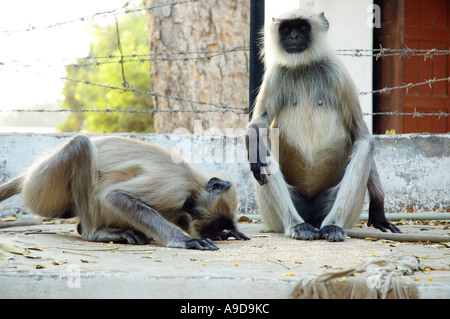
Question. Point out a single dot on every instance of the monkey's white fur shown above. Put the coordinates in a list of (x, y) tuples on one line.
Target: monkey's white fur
[(325, 149), (127, 190), (275, 53)]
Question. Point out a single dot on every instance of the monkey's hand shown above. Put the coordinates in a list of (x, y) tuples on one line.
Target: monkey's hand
[(303, 231), (382, 224), (257, 152), (224, 235), (202, 244)]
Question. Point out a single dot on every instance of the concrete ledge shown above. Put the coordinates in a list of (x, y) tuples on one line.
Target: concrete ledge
[(59, 264), (414, 169)]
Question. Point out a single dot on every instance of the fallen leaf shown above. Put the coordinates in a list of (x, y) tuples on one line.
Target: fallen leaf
[(289, 274), (244, 219), (14, 249), (57, 262), (4, 257)]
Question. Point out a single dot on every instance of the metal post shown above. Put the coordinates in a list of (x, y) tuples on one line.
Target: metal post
[(256, 65)]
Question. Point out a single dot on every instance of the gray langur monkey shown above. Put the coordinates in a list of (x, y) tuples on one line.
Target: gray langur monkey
[(125, 190), (317, 185)]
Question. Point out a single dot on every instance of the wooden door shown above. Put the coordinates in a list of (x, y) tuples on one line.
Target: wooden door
[(422, 25)]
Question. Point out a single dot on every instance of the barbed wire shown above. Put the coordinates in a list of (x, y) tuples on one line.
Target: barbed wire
[(413, 114), (176, 98), (209, 54), (217, 108), (430, 82), (204, 55), (141, 58), (386, 52), (115, 109), (122, 10)]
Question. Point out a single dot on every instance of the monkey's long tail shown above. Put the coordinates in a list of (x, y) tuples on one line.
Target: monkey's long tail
[(13, 187)]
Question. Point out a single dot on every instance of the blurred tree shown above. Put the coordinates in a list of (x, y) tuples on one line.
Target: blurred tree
[(133, 39)]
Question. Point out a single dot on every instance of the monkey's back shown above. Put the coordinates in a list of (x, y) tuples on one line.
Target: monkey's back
[(159, 178)]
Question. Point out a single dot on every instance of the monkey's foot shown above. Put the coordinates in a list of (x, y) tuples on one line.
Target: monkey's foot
[(122, 236), (332, 233), (304, 231), (202, 244), (383, 225)]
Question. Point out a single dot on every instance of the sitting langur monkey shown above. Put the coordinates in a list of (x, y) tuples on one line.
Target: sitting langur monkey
[(125, 190), (316, 188)]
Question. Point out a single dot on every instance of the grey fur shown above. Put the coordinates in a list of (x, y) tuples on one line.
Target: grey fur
[(317, 181), (125, 190)]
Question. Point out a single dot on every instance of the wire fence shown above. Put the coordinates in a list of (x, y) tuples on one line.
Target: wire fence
[(193, 57)]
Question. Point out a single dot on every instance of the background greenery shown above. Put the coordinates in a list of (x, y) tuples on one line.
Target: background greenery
[(133, 38)]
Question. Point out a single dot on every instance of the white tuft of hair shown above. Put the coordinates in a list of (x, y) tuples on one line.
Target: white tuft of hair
[(274, 54)]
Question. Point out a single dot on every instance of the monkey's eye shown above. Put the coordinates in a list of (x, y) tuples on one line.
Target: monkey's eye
[(303, 28), (286, 30)]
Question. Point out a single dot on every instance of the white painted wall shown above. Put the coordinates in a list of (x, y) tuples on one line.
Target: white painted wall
[(348, 30), (413, 168)]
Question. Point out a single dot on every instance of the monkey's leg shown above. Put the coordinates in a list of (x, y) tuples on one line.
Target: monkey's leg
[(273, 193), (350, 192), (277, 208), (147, 220), (61, 185), (377, 218)]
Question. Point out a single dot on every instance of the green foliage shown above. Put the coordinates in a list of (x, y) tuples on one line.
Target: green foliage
[(133, 39)]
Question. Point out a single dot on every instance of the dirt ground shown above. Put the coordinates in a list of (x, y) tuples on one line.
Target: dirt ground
[(51, 247)]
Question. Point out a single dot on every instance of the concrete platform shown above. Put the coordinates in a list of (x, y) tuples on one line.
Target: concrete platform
[(58, 264)]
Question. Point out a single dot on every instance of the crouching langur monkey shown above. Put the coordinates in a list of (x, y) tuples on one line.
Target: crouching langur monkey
[(124, 190), (317, 185)]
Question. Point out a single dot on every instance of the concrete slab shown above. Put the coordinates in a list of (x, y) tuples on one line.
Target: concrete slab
[(58, 264)]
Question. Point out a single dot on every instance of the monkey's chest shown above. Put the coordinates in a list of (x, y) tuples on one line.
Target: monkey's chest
[(313, 147)]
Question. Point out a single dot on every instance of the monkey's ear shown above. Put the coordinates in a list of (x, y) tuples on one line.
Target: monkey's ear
[(326, 23), (217, 185)]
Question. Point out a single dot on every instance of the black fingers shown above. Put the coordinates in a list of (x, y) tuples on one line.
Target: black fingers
[(257, 174), (383, 225), (224, 235), (202, 244), (332, 233), (257, 152), (135, 237), (304, 231)]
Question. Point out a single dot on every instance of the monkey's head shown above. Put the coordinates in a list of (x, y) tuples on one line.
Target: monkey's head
[(214, 208), (295, 38)]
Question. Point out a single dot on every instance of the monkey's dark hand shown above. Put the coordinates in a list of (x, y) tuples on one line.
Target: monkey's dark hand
[(332, 233), (257, 153), (382, 224), (202, 244), (304, 231), (224, 235)]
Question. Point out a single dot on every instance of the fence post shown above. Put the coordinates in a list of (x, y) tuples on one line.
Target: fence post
[(256, 65)]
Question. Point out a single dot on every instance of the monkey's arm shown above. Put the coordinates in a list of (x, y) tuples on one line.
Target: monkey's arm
[(147, 220), (256, 137)]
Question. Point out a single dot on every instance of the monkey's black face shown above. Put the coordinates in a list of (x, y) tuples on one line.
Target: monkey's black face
[(214, 228), (295, 35)]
